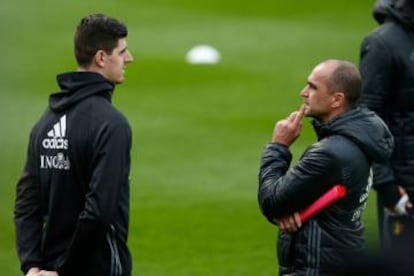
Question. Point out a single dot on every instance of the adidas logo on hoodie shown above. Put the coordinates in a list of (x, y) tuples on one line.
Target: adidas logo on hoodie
[(57, 136)]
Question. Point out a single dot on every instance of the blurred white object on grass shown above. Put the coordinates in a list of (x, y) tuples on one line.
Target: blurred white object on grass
[(203, 54)]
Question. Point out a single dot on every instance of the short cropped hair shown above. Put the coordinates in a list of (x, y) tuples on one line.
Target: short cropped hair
[(346, 78), (97, 32)]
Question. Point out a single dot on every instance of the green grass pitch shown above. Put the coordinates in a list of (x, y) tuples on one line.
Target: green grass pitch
[(198, 130)]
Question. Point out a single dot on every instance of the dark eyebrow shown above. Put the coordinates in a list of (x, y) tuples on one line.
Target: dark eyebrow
[(311, 84)]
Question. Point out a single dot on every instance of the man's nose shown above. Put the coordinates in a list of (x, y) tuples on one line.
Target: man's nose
[(303, 93), (129, 58)]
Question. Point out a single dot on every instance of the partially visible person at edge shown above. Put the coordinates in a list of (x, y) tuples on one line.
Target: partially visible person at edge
[(72, 203), (387, 69), (350, 140)]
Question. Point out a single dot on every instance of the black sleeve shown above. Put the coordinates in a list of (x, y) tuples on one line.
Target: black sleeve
[(111, 164), (376, 66), (27, 214), (284, 190)]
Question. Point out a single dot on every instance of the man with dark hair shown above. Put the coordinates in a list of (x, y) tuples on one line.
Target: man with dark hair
[(72, 200), (350, 139), (387, 68)]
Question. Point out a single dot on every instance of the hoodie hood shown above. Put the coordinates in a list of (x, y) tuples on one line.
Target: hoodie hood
[(399, 10), (76, 86), (364, 128), (381, 10)]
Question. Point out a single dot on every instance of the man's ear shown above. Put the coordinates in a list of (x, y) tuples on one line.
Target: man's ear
[(99, 58), (338, 99)]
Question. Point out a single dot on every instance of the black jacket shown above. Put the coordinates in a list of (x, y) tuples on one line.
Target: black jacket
[(72, 204), (387, 69), (345, 150)]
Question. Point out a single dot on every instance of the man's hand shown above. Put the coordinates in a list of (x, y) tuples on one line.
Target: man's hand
[(403, 206), (48, 273), (289, 224), (34, 271), (287, 130)]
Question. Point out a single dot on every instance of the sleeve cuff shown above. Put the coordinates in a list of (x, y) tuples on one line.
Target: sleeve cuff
[(389, 194)]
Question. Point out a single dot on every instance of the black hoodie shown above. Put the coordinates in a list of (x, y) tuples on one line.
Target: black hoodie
[(387, 70), (72, 204)]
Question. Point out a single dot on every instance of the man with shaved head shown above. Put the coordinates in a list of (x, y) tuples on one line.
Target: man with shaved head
[(349, 141)]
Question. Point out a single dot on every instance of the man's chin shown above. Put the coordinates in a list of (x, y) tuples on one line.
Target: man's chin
[(119, 81), (310, 115)]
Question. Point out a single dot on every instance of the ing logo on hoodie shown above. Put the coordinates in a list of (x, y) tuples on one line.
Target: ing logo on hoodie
[(56, 140)]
